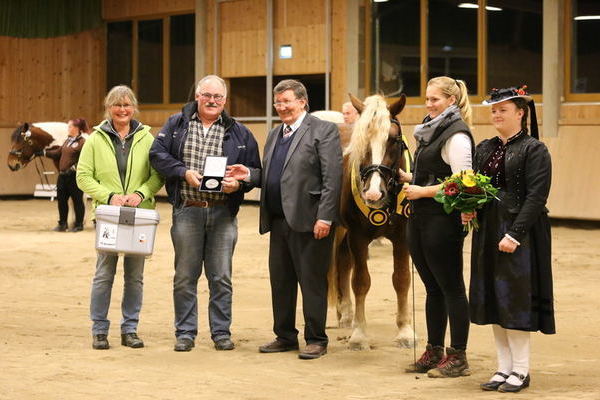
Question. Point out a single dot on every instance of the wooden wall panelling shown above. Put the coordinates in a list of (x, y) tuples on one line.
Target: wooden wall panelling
[(119, 9), (339, 44), (302, 25), (242, 44)]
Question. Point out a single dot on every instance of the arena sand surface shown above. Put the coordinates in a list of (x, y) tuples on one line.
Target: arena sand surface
[(45, 341)]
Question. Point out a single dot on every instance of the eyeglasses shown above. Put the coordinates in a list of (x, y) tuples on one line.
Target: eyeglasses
[(207, 96), (283, 104), (125, 106)]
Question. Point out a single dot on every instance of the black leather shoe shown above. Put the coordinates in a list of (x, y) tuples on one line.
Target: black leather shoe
[(76, 228), (493, 385), (60, 228), (100, 342), (224, 344), (509, 388), (131, 340), (184, 344), (277, 346)]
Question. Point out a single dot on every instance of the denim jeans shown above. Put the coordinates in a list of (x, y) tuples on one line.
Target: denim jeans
[(203, 237), (131, 304)]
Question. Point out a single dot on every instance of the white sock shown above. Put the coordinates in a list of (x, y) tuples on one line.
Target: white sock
[(519, 342), (505, 361)]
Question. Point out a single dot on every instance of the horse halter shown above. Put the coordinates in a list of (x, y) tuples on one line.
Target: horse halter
[(27, 140)]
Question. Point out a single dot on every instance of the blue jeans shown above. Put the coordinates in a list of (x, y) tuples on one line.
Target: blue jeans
[(203, 236), (131, 304)]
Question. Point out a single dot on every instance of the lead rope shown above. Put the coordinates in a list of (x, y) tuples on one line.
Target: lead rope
[(412, 265)]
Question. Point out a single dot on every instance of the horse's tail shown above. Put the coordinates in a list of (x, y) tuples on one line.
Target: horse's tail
[(333, 273)]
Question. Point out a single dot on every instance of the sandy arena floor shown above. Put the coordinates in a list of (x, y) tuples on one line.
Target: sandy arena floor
[(45, 341)]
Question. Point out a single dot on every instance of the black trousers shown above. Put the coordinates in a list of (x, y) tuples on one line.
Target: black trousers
[(66, 186), (435, 244), (298, 258)]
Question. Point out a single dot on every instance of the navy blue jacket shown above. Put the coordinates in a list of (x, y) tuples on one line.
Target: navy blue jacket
[(166, 154)]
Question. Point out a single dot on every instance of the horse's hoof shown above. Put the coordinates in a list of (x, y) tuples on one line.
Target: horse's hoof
[(405, 343), (358, 346)]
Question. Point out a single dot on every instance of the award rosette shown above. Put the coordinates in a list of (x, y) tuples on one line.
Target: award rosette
[(214, 171)]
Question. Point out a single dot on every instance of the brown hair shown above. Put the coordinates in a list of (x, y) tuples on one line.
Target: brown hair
[(80, 124), (522, 104)]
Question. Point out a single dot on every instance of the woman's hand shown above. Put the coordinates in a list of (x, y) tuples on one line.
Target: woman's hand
[(132, 200), (117, 200), (404, 176), (467, 217), (414, 192), (507, 246)]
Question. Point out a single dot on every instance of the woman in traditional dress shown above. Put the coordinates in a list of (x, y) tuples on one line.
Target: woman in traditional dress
[(511, 276)]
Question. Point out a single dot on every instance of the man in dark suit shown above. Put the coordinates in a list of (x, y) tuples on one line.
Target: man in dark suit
[(300, 180)]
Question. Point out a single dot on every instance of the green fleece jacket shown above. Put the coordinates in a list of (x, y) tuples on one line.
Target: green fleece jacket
[(98, 174)]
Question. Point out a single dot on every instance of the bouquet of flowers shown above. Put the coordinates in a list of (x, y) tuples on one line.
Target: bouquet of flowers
[(466, 191)]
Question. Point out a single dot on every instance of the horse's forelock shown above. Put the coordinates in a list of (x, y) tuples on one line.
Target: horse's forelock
[(371, 129), (17, 136)]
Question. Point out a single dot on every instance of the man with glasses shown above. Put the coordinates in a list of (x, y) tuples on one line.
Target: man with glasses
[(204, 230), (301, 179)]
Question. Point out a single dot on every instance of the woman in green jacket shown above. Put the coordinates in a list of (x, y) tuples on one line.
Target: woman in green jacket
[(114, 168)]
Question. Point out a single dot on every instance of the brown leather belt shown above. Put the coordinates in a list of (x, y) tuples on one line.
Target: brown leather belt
[(204, 203)]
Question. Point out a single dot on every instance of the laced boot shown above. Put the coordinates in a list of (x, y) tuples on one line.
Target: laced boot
[(429, 359), (453, 365)]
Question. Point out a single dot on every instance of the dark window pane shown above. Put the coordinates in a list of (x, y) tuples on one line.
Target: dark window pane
[(585, 56), (182, 58), (453, 41), (247, 96), (515, 40), (150, 55), (396, 47), (118, 52)]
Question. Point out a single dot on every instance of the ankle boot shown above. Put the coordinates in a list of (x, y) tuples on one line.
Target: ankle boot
[(453, 365), (429, 359), (61, 227)]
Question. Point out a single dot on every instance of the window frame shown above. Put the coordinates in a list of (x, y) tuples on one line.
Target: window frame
[(482, 48), (166, 57)]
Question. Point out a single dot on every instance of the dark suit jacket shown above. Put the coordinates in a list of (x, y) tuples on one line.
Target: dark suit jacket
[(311, 177)]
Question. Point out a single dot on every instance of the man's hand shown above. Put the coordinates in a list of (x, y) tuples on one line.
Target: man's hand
[(193, 178), (132, 200), (507, 246), (230, 185), (237, 171), (321, 229), (117, 200)]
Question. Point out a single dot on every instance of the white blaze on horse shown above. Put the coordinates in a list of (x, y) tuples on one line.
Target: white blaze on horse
[(29, 140), (371, 206)]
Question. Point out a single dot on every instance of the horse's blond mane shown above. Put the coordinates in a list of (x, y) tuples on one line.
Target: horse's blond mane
[(372, 126)]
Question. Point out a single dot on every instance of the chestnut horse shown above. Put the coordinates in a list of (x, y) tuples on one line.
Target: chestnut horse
[(371, 206), (29, 141)]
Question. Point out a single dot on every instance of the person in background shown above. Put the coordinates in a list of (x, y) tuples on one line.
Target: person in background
[(114, 168), (435, 239), (67, 156), (511, 263), (204, 231), (349, 112)]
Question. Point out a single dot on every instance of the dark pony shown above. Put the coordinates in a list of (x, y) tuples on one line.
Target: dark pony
[(29, 141), (370, 208)]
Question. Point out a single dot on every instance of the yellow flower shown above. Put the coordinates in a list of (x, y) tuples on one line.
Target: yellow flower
[(468, 178)]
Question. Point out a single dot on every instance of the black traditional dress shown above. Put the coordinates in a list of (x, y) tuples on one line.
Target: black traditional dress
[(513, 290)]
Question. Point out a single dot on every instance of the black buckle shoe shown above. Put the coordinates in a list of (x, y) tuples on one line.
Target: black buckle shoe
[(184, 344), (494, 385), (100, 342), (131, 340), (509, 388), (224, 344)]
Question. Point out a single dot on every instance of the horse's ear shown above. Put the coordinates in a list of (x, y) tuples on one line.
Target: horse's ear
[(25, 127), (356, 103), (397, 107)]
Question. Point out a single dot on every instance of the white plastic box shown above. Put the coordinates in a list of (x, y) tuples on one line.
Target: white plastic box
[(125, 230)]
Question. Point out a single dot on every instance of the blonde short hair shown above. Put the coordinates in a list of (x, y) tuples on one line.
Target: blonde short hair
[(116, 95)]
